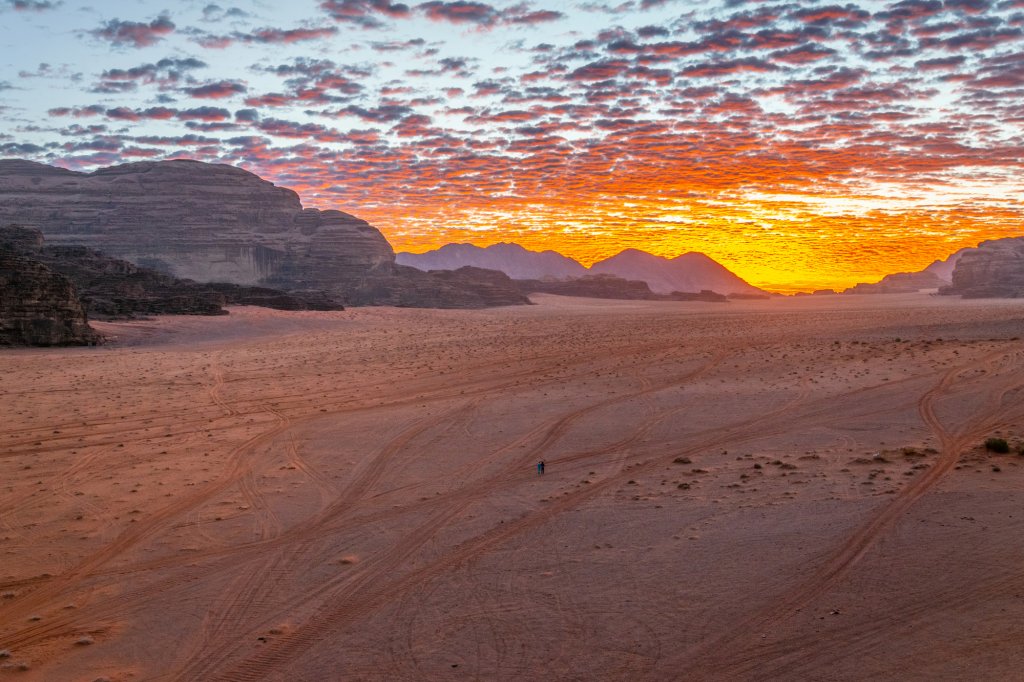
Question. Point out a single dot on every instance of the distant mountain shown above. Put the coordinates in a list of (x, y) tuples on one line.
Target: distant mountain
[(689, 272), (512, 259), (938, 274)]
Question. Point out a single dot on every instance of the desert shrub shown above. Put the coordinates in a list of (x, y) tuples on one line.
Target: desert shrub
[(997, 445)]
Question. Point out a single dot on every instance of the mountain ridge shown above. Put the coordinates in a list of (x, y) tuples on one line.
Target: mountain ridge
[(689, 272)]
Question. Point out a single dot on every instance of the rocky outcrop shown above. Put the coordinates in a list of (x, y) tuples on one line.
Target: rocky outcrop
[(466, 287), (612, 287), (217, 223), (936, 275), (38, 307), (592, 286), (691, 272), (993, 270), (512, 259), (111, 288)]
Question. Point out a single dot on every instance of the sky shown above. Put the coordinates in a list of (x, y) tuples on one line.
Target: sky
[(803, 145)]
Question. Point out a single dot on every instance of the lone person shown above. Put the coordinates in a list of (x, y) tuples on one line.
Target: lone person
[(540, 467)]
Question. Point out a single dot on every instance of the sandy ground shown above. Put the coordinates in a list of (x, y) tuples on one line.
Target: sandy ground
[(788, 490)]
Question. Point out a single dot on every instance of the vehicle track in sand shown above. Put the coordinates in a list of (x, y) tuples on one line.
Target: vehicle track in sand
[(115, 607), (722, 656), (359, 598), (373, 584), (548, 434), (376, 576)]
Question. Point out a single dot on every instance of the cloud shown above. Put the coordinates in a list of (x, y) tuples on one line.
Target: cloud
[(214, 12), (460, 12), (804, 54), (134, 34), (77, 112), (33, 5), (165, 73), (216, 89), (729, 67), (940, 63), (128, 114), (364, 13), (521, 16), (381, 114), (266, 36), (204, 114)]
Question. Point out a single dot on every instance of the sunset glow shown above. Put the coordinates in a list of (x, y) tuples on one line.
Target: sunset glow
[(803, 145)]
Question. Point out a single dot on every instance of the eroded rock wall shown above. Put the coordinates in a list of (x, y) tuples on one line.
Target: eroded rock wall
[(993, 270), (194, 220), (39, 307)]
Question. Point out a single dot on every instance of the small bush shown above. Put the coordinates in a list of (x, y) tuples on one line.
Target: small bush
[(997, 445)]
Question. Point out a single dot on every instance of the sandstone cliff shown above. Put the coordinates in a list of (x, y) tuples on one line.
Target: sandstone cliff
[(111, 288), (218, 223), (193, 220), (993, 270), (38, 307)]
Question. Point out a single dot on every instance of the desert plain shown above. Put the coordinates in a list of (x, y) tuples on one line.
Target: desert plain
[(763, 490)]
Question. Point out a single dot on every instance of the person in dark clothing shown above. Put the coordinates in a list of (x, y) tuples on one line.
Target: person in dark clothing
[(540, 467)]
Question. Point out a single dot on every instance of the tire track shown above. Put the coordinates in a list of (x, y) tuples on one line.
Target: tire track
[(713, 656)]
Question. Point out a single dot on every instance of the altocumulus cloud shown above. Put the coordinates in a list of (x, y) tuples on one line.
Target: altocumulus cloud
[(134, 33)]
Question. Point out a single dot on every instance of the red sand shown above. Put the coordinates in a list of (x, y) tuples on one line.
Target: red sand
[(312, 496)]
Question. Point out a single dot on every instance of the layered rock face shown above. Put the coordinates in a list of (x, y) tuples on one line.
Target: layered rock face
[(216, 223), (38, 307), (993, 270), (111, 288), (194, 220)]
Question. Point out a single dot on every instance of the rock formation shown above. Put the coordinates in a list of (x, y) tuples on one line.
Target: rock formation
[(591, 286), (193, 220), (463, 288), (612, 287), (38, 307), (936, 275), (217, 223), (110, 288), (689, 272), (512, 259), (993, 270)]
